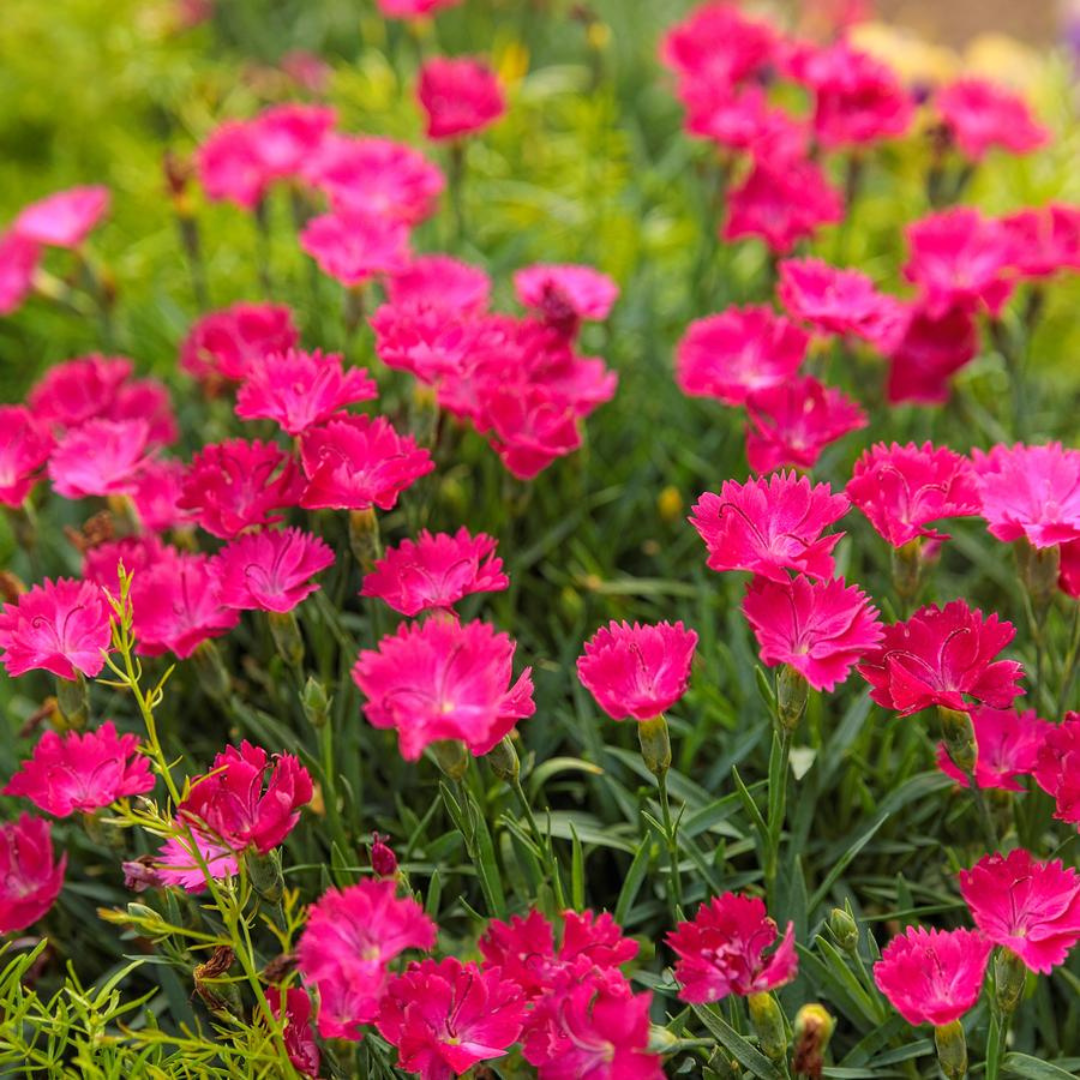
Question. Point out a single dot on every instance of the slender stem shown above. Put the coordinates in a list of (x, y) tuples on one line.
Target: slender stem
[(671, 836), (1070, 666), (551, 865)]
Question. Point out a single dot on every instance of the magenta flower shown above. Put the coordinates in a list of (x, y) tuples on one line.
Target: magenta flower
[(176, 606), (903, 489), (269, 571), (1069, 573), (459, 96), (444, 680), (565, 296), (435, 572), (1057, 768), (286, 137), (741, 350), (294, 1007), (959, 259), (945, 657), (177, 864), (770, 526), (234, 485), (230, 168), (147, 399), (933, 976), (445, 1016), (298, 390), (530, 427), (1045, 240), (413, 9), (1031, 908), (230, 804), (19, 260), (1030, 492), (82, 772), (357, 462), (354, 247), (345, 951), (429, 339), (25, 445), (156, 494), (931, 350), (137, 553), (64, 219), (60, 626), (716, 44), (637, 671), (103, 457), (792, 424), (980, 115), (782, 201), (722, 950), (819, 628), (743, 120), (1008, 746), (29, 881), (440, 281), (841, 302), (75, 391), (225, 343)]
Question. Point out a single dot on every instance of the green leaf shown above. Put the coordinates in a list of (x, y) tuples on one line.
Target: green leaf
[(631, 886), (747, 1055), (577, 872), (1035, 1069)]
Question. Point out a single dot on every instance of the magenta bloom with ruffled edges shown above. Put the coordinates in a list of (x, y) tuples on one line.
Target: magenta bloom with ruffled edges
[(101, 457), (564, 295), (980, 116), (1057, 767), (177, 866), (223, 344), (1008, 745), (270, 570), (25, 446), (440, 281), (64, 219), (355, 246), (459, 96), (30, 881), (932, 349), (19, 261), (293, 1006)]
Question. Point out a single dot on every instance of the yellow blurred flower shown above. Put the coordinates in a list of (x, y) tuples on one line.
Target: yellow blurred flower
[(912, 58)]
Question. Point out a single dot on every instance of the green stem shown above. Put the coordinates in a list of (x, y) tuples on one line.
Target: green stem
[(1070, 665), (672, 839), (547, 850)]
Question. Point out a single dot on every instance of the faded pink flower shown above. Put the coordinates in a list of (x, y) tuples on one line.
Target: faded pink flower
[(286, 137), (459, 96), (82, 772), (980, 115), (351, 937), (903, 489), (440, 281), (722, 950), (19, 260), (730, 355), (791, 424), (1008, 745), (821, 629), (64, 219), (637, 671), (60, 626), (943, 656), (177, 864), (354, 247), (102, 457), (770, 526), (269, 571), (29, 880), (25, 445), (234, 485), (414, 9), (930, 351), (445, 1016), (298, 389), (225, 343), (444, 680), (933, 976), (1045, 240), (436, 571), (566, 295), (1057, 768), (1031, 908)]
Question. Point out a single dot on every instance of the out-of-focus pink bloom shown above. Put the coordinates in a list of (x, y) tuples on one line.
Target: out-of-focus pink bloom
[(722, 950), (236, 484), (82, 772), (819, 628), (1031, 908), (103, 457), (60, 626), (1057, 768), (933, 976), (25, 445), (376, 176), (637, 671), (1008, 747), (29, 880), (839, 301), (285, 137), (980, 115), (445, 1016), (147, 399), (930, 351), (444, 680), (357, 462), (946, 657), (743, 120), (352, 936), (225, 343), (75, 391), (177, 606), (959, 259), (64, 219), (436, 571), (730, 355), (156, 493), (530, 429), (1044, 241), (903, 489), (137, 553), (355, 247), (791, 424), (230, 804), (294, 1006), (782, 202), (384, 862), (414, 9), (177, 864), (19, 259), (716, 45), (440, 281), (299, 389), (1030, 492), (230, 168), (429, 340), (566, 295), (309, 71), (1069, 574), (459, 96), (771, 525), (270, 571)]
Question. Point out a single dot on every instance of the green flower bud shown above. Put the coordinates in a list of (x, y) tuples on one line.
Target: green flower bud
[(792, 691), (504, 762), (1010, 977), (951, 1050), (265, 874), (1038, 568), (844, 929), (285, 631), (316, 702), (655, 745), (768, 1023), (364, 537), (451, 756), (73, 701), (210, 668), (959, 738)]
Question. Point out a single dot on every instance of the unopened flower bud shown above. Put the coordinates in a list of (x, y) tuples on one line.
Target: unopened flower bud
[(73, 699), (1039, 569), (218, 995), (11, 587), (1010, 977), (907, 569), (660, 1040), (504, 761), (951, 1049), (265, 874), (792, 691), (959, 738), (140, 874), (669, 504), (844, 929), (210, 668), (364, 537), (285, 631), (383, 859), (768, 1023), (424, 415), (813, 1028), (655, 745), (315, 702), (451, 756)]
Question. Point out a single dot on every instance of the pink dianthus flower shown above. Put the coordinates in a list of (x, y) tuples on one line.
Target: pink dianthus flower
[(1008, 746), (224, 343), (459, 96), (102, 457), (25, 445), (566, 295), (65, 219), (29, 880), (1057, 767), (980, 116), (930, 351), (269, 570), (19, 260), (354, 247), (440, 281)]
